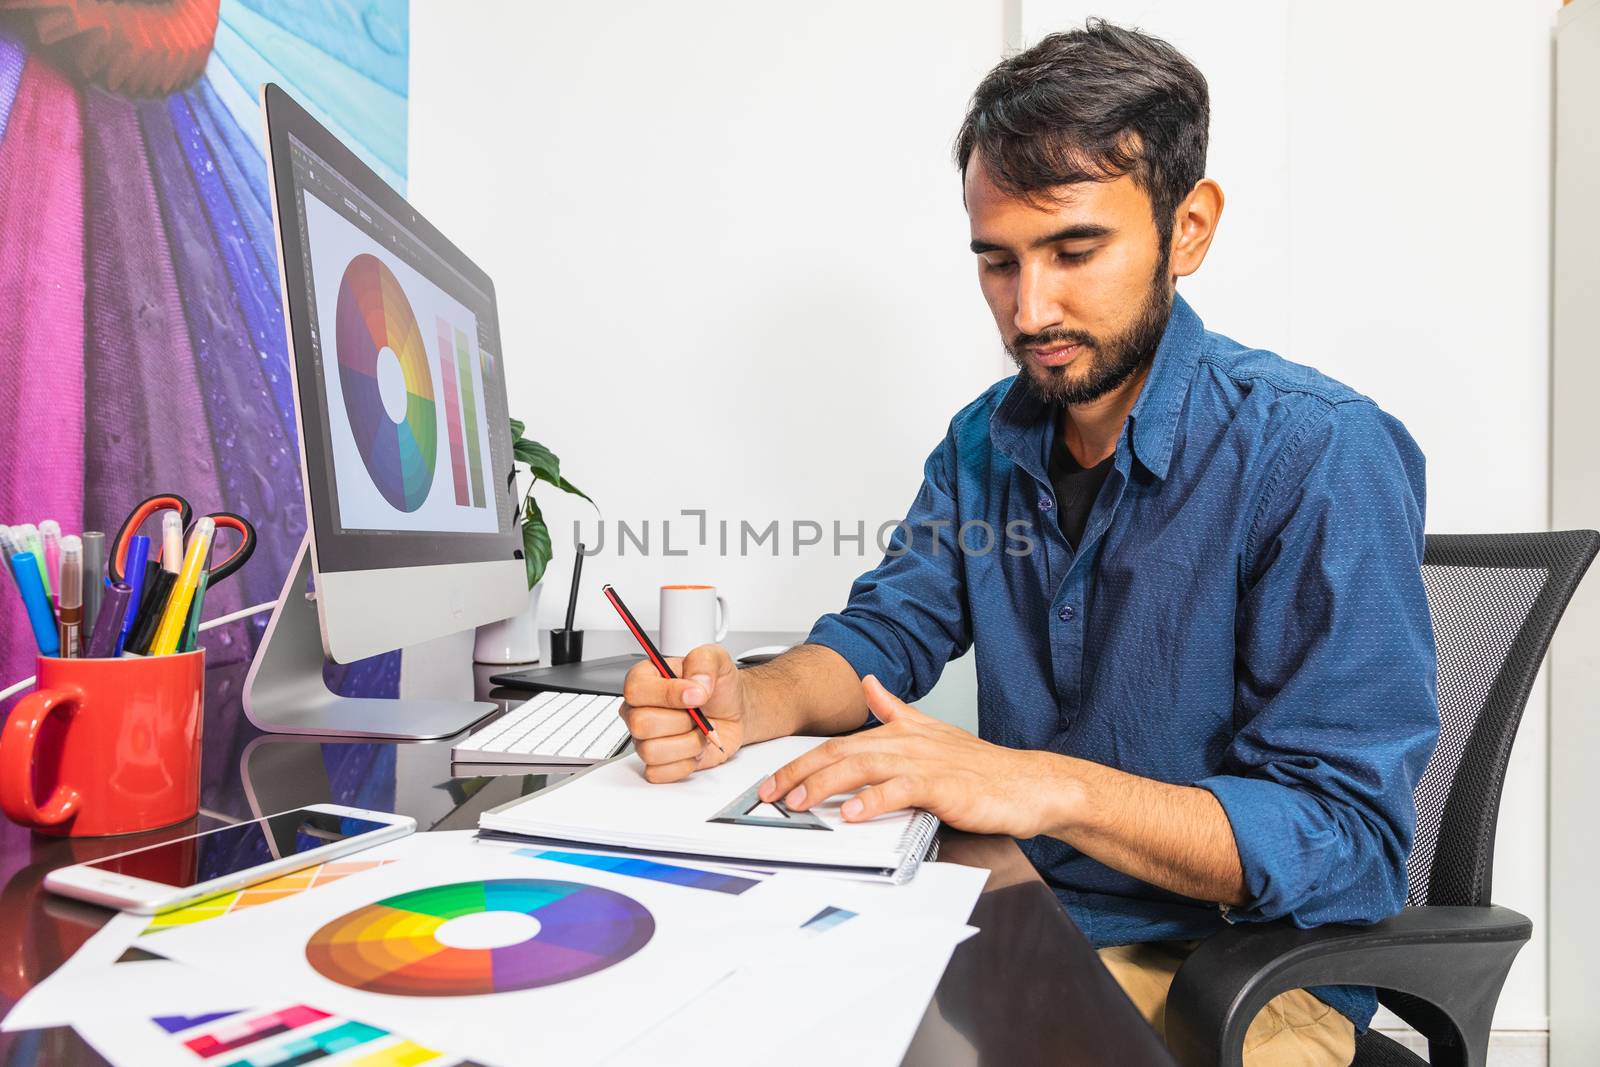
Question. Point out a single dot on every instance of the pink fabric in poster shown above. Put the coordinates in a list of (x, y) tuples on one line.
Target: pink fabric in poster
[(41, 332)]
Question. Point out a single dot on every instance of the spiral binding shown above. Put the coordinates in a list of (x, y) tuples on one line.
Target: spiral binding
[(919, 844)]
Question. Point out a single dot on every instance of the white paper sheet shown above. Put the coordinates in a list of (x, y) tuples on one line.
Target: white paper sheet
[(698, 937), (870, 976)]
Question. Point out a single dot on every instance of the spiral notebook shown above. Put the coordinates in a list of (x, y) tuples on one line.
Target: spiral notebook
[(716, 815)]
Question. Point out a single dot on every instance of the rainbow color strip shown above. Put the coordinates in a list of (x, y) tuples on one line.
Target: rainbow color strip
[(632, 867), (287, 885), (393, 947)]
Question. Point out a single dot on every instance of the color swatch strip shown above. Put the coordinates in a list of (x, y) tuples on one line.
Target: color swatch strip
[(237, 1034), (452, 414), (633, 867), (265, 893), (298, 1034), (469, 413)]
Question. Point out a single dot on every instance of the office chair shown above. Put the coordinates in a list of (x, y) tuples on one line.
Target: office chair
[(1439, 964)]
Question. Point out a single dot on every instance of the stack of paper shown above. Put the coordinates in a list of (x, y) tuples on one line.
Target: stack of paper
[(717, 815)]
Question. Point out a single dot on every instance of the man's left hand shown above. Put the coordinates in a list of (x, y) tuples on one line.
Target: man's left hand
[(916, 761)]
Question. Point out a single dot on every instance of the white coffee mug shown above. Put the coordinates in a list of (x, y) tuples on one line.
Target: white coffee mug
[(691, 616)]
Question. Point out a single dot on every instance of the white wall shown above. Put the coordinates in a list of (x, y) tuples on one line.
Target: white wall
[(741, 218), (1387, 170), (729, 247)]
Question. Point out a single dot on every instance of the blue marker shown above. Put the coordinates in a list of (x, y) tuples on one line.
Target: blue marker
[(133, 574), (26, 568)]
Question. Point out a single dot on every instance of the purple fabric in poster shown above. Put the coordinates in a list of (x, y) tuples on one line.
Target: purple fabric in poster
[(241, 175), (41, 292), (141, 384), (244, 151), (256, 293), (12, 60), (258, 468)]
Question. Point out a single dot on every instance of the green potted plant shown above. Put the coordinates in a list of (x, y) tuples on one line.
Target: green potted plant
[(516, 640)]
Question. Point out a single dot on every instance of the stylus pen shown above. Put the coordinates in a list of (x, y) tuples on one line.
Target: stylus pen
[(572, 595), (656, 661)]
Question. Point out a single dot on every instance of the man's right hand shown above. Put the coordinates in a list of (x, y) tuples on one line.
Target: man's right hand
[(663, 733)]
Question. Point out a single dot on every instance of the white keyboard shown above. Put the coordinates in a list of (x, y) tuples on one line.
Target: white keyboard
[(552, 728)]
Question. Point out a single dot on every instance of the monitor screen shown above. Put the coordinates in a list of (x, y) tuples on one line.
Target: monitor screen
[(398, 370)]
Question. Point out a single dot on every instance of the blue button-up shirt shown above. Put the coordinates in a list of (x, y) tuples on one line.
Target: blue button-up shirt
[(1245, 614)]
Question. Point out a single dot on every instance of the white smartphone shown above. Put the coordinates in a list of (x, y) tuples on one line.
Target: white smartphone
[(162, 877)]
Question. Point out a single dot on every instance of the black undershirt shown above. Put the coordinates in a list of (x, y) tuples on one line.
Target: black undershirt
[(1076, 488)]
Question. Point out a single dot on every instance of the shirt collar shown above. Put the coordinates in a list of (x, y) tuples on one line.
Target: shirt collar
[(1015, 426)]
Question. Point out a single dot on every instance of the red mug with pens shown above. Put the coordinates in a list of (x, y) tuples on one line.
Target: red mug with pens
[(105, 746), (109, 743)]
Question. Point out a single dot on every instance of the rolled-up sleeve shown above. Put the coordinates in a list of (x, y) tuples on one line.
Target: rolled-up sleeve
[(1335, 710), (907, 617)]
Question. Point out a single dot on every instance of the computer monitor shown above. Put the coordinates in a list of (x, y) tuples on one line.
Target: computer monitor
[(405, 442)]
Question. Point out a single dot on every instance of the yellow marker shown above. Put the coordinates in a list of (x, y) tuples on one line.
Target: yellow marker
[(197, 559)]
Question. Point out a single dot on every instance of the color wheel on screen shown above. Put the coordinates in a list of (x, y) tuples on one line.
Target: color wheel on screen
[(373, 316), (471, 938)]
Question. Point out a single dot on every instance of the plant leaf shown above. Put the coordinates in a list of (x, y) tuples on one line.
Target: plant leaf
[(567, 487), (540, 460), (517, 426), (536, 550)]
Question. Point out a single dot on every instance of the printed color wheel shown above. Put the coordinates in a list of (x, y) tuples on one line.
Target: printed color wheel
[(374, 314), (394, 946)]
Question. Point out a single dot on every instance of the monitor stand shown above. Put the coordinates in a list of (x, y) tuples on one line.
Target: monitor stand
[(284, 692)]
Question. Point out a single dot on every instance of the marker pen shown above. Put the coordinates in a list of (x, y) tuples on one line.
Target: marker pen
[(171, 541), (50, 545), (133, 568), (25, 566), (94, 577), (69, 596)]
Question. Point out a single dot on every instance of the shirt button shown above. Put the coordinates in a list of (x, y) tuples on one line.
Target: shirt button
[(1066, 613), (1045, 503)]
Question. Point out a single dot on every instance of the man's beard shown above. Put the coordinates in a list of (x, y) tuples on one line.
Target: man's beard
[(1110, 363)]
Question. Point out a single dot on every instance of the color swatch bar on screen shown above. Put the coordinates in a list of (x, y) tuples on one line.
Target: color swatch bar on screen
[(469, 415), (452, 414), (632, 867)]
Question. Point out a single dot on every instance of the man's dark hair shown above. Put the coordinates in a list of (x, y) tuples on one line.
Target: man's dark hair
[(1092, 105)]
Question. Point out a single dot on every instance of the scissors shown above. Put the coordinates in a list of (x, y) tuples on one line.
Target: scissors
[(173, 502)]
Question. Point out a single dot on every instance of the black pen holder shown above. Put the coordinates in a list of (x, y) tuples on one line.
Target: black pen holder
[(566, 646)]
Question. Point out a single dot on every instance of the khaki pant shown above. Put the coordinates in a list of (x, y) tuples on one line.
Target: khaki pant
[(1295, 1028)]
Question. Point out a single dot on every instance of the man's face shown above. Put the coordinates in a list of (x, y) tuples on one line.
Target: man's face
[(1078, 284)]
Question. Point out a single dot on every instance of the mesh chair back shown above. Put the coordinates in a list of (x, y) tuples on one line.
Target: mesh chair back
[(1495, 601)]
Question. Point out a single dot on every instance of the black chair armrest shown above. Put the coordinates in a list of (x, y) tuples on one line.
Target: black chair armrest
[(1454, 959)]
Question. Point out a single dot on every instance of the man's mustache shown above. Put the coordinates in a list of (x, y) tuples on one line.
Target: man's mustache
[(1051, 339)]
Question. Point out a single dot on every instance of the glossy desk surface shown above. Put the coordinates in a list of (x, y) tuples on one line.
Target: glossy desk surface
[(1026, 989)]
